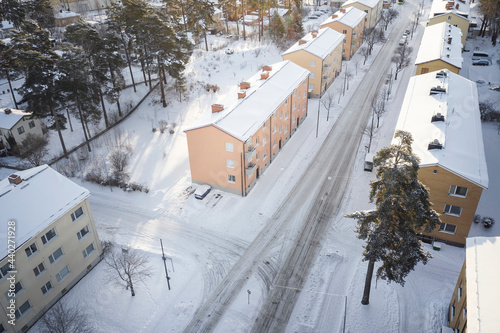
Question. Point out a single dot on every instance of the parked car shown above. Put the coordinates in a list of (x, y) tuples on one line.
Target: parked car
[(202, 191), (402, 41), (478, 55), (482, 62)]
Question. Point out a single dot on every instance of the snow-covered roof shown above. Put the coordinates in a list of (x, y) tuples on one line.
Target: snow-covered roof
[(352, 17), (368, 3), (321, 46), (241, 118), (8, 120), (441, 41), (459, 7), (65, 14), (7, 25), (281, 11), (41, 198), (455, 98), (483, 275)]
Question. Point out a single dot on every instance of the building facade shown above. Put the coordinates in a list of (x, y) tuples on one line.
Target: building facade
[(372, 8), (56, 244), (232, 147), (351, 23), (454, 12), (320, 52), (79, 6), (441, 111), (440, 48), (15, 125)]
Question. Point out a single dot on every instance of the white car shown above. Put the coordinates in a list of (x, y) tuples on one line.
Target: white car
[(202, 191)]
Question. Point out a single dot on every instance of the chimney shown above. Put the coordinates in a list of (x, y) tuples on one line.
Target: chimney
[(314, 33), (267, 68), (456, 7), (15, 179), (244, 85), (334, 16), (8, 111), (217, 108), (342, 10), (242, 94), (301, 41), (264, 75)]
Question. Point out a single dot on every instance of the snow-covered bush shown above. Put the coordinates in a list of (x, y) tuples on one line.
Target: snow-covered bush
[(488, 221), (477, 218)]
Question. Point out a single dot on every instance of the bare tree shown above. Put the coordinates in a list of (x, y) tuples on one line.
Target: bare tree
[(373, 36), (356, 64), (388, 16), (370, 129), (130, 266), (34, 148), (62, 318), (401, 58), (327, 101), (378, 107), (365, 53)]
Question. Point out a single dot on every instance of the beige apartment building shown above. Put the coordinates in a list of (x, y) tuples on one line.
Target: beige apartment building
[(351, 23), (440, 48), (473, 303), (320, 52), (232, 146), (454, 12), (54, 243), (441, 111), (15, 125), (372, 8)]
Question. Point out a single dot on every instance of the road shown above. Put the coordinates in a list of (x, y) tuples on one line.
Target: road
[(306, 213)]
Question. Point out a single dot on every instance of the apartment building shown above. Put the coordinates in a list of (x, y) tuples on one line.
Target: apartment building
[(232, 146), (372, 8), (351, 23), (79, 6), (320, 52), (441, 111), (440, 48), (15, 125), (454, 12), (473, 303), (54, 243)]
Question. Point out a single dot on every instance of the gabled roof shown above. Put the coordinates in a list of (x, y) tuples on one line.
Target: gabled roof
[(460, 134), (441, 41), (352, 17), (241, 118), (321, 45), (368, 3), (8, 120), (43, 196), (482, 274), (458, 7)]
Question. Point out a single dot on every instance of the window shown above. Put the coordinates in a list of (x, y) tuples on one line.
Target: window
[(449, 17), (293, 106), (286, 102), (311, 86), (286, 113), (312, 63), (313, 75), (31, 124), (464, 313), (229, 146), (231, 178), (274, 114), (48, 236), (304, 95), (452, 311), (264, 126), (257, 141), (274, 143), (257, 156), (458, 191), (286, 128), (448, 228), (264, 141), (459, 292), (30, 250), (82, 233), (264, 156), (274, 129), (76, 214), (344, 32), (229, 163), (295, 93), (452, 210), (56, 255), (38, 270), (47, 287), (304, 107), (23, 309), (88, 250), (17, 288), (62, 274), (20, 129)]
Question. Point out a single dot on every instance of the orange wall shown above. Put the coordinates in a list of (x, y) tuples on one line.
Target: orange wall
[(350, 44), (459, 320)]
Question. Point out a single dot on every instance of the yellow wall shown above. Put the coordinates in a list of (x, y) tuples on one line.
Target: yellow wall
[(459, 320), (452, 19), (439, 186), (350, 44), (435, 65), (66, 238), (372, 14)]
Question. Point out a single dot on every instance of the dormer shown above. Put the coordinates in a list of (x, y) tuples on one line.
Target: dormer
[(441, 74), (437, 117), (437, 90), (435, 145)]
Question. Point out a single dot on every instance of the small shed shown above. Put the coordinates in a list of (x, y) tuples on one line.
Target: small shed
[(368, 166)]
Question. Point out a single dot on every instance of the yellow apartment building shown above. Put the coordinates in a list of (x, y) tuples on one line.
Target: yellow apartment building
[(473, 303), (49, 231), (440, 48), (320, 52), (351, 23), (372, 8), (441, 111), (231, 147), (454, 12)]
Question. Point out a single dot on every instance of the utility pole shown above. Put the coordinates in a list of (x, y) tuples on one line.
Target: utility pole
[(317, 123), (165, 264)]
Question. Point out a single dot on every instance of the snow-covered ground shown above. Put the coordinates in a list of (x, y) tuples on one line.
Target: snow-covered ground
[(205, 238)]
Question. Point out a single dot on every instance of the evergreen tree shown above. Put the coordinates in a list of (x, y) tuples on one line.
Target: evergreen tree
[(402, 210), (199, 16), (41, 12), (276, 28), (13, 11)]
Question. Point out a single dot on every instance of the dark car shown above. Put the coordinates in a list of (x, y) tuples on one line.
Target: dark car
[(482, 62)]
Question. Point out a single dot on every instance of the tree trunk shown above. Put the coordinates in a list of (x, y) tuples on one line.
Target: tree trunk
[(83, 125), (105, 114), (128, 61), (114, 86), (59, 132), (206, 43), (143, 66), (161, 83), (131, 285), (148, 67), (368, 283), (243, 13), (10, 86)]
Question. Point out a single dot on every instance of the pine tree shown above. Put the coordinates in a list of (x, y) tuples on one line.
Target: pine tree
[(199, 15), (41, 12), (276, 28), (402, 210)]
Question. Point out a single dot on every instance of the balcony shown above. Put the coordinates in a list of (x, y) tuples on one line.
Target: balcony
[(326, 66), (325, 78), (250, 169), (250, 153)]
